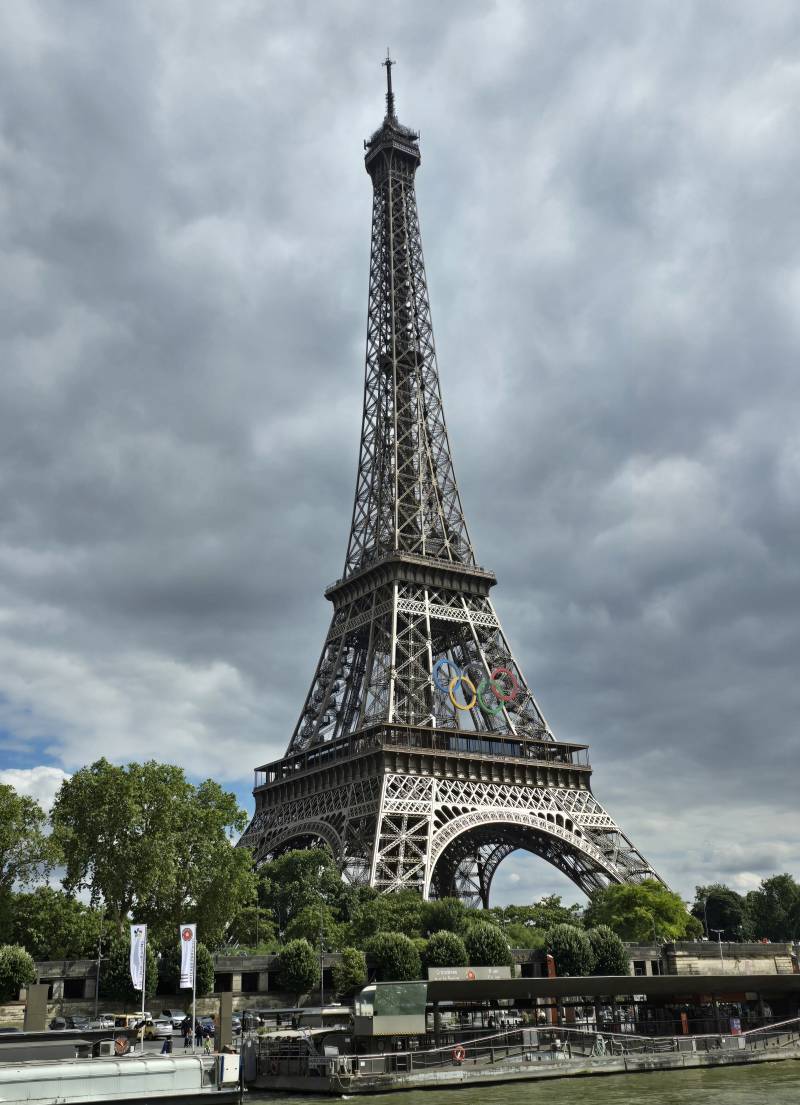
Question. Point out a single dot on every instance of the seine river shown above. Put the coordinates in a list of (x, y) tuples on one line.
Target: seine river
[(765, 1084)]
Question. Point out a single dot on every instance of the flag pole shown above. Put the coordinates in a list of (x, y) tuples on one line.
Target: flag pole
[(144, 985), (194, 992)]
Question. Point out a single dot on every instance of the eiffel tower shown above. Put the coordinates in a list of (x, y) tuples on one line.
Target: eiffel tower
[(421, 758)]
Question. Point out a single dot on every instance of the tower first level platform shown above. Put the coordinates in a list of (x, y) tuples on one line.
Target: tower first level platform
[(407, 807)]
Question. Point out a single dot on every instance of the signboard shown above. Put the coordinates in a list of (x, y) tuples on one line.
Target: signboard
[(467, 974), (736, 1026)]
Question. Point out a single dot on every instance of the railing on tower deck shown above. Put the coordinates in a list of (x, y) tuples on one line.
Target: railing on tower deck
[(487, 746)]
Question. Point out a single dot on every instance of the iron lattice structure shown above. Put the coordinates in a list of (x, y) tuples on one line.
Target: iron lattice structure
[(421, 758)]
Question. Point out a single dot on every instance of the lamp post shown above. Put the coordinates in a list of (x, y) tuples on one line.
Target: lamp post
[(320, 873), (719, 933), (705, 914), (99, 958), (655, 941)]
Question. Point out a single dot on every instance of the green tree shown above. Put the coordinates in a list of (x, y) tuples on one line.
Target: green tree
[(642, 912), (27, 854), (299, 879), (52, 925), (310, 920), (350, 973), (542, 915), (17, 970), (524, 936), (394, 957), (571, 950), (446, 949), (252, 927), (298, 965), (115, 974), (608, 951), (487, 946), (773, 911), (722, 907), (443, 915), (169, 970), (398, 912), (145, 840)]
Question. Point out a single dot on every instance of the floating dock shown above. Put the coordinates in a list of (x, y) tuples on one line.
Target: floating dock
[(134, 1079)]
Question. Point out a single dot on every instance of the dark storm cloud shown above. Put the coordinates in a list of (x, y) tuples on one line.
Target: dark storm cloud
[(608, 203)]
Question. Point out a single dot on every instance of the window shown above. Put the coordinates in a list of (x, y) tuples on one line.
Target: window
[(74, 988), (223, 982), (639, 967), (250, 982)]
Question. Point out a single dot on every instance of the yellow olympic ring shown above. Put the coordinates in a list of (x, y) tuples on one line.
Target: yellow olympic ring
[(462, 679)]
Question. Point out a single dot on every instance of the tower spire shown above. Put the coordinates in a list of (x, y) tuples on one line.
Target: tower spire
[(388, 63)]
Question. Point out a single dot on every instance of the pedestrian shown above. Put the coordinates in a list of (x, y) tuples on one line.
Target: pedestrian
[(186, 1031), (207, 1039), (198, 1033), (166, 1047)]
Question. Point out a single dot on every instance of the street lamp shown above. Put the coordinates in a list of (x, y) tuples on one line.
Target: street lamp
[(705, 914), (719, 933), (320, 873), (99, 957)]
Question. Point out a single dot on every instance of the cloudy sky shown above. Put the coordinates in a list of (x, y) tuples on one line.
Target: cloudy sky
[(609, 209)]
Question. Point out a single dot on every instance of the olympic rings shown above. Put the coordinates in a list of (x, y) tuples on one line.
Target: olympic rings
[(459, 1053), (477, 685)]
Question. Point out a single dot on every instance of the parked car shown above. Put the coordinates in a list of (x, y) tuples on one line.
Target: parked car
[(159, 1029), (177, 1016), (236, 1026), (103, 1021)]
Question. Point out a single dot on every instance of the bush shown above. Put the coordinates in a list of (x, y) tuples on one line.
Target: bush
[(169, 971), (17, 970), (444, 914), (487, 946), (610, 957), (350, 973), (446, 949), (394, 957), (571, 950), (298, 965), (115, 974)]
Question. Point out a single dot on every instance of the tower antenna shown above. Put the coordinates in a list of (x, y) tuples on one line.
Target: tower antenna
[(389, 94)]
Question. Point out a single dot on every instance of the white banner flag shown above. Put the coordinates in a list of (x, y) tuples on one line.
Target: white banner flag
[(138, 952), (188, 935)]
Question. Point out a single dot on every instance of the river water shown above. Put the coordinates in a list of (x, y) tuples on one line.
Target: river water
[(761, 1084)]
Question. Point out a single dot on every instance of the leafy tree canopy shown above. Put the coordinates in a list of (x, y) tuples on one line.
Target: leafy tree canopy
[(642, 912), (398, 912), (169, 970), (26, 852), (17, 970), (52, 925), (446, 949), (773, 911), (115, 974), (146, 841), (312, 920), (543, 915), (487, 946), (300, 878), (394, 957), (298, 964), (350, 973), (571, 950), (608, 952), (722, 907), (443, 914)]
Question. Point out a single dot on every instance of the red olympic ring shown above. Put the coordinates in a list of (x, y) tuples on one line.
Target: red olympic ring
[(459, 1054), (512, 694)]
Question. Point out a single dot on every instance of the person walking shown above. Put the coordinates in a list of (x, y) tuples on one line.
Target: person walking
[(207, 1038), (198, 1033), (186, 1030), (166, 1047)]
